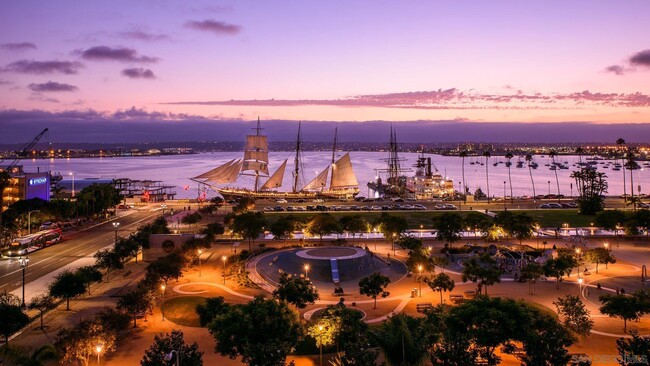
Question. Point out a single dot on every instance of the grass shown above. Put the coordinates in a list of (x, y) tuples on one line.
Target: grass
[(546, 218), (181, 310)]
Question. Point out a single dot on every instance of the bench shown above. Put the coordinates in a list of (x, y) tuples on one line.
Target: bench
[(421, 307), (456, 299)]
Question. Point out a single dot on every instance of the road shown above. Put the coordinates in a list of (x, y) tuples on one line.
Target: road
[(75, 245)]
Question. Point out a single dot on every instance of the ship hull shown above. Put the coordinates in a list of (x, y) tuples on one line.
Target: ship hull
[(230, 194)]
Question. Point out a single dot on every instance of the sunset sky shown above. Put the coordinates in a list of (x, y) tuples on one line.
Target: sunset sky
[(464, 61)]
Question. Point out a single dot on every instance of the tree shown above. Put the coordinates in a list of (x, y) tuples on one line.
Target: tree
[(610, 220), (463, 155), (599, 255), (284, 227), (559, 267), (351, 335), (249, 225), (522, 227), (211, 230), (487, 156), (621, 143), (482, 270), (262, 332), (67, 285), (12, 317), (374, 285), (633, 351), (353, 224), (441, 282), (574, 315), (167, 268), (165, 343), (448, 227), (631, 165), (402, 340), (80, 342), (391, 226), (136, 303), (89, 275), (109, 260), (322, 224), (591, 185), (553, 155), (42, 303), (440, 262), (545, 340), (323, 331), (509, 157), (191, 219), (296, 291), (529, 160), (622, 306), (531, 273), (477, 221), (209, 310)]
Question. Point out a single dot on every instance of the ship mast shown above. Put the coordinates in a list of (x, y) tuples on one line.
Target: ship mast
[(257, 133), (297, 162), (336, 135)]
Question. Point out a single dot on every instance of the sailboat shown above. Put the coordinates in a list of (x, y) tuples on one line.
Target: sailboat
[(342, 182)]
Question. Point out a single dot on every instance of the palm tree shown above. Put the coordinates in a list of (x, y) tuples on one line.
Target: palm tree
[(621, 142), (487, 176), (509, 156), (580, 151), (529, 159), (553, 154), (631, 165), (463, 155)]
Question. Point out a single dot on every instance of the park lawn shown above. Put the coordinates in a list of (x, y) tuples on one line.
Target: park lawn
[(413, 218), (182, 310), (555, 218)]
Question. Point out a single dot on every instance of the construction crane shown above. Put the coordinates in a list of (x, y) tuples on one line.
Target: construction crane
[(25, 150)]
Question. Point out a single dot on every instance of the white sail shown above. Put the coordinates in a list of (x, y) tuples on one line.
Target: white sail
[(342, 174), (215, 172), (276, 179), (258, 166), (256, 155), (231, 174), (256, 143), (318, 183)]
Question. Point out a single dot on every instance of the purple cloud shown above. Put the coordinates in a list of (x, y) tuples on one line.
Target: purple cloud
[(52, 86), (22, 46), (5, 82), (138, 73), (105, 53), (616, 69), (453, 99), (214, 26), (641, 58), (145, 36), (43, 67)]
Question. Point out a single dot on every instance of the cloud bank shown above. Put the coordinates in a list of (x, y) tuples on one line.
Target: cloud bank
[(43, 67), (121, 54), (52, 86), (138, 73), (214, 26), (18, 47)]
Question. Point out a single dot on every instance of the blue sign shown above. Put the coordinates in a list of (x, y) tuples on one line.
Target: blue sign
[(37, 181)]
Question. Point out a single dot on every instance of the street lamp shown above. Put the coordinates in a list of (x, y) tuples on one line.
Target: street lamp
[(115, 226), (223, 273), (98, 350), (421, 229), (306, 271), (320, 343), (23, 264), (420, 279), (504, 195), (549, 187), (580, 280), (72, 175), (200, 251), (394, 238), (29, 220), (168, 357), (162, 303), (578, 260)]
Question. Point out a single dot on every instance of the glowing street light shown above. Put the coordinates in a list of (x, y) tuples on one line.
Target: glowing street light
[(320, 332), (306, 271), (72, 175), (98, 350), (24, 262), (420, 271), (223, 273), (115, 226), (162, 304)]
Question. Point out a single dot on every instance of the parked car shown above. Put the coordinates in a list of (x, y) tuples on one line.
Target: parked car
[(318, 200), (281, 200)]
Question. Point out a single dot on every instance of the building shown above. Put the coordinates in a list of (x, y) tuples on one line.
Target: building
[(24, 186)]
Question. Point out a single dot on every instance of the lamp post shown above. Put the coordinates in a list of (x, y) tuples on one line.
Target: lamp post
[(223, 272), (306, 271), (168, 357), (164, 207), (504, 195), (394, 238), (200, 251), (580, 280), (578, 260), (420, 279), (72, 175), (162, 303), (115, 226), (24, 262), (549, 187), (29, 220), (98, 350), (606, 244), (421, 229)]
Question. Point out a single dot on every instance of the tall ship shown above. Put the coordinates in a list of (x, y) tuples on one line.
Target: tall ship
[(426, 183), (337, 180)]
